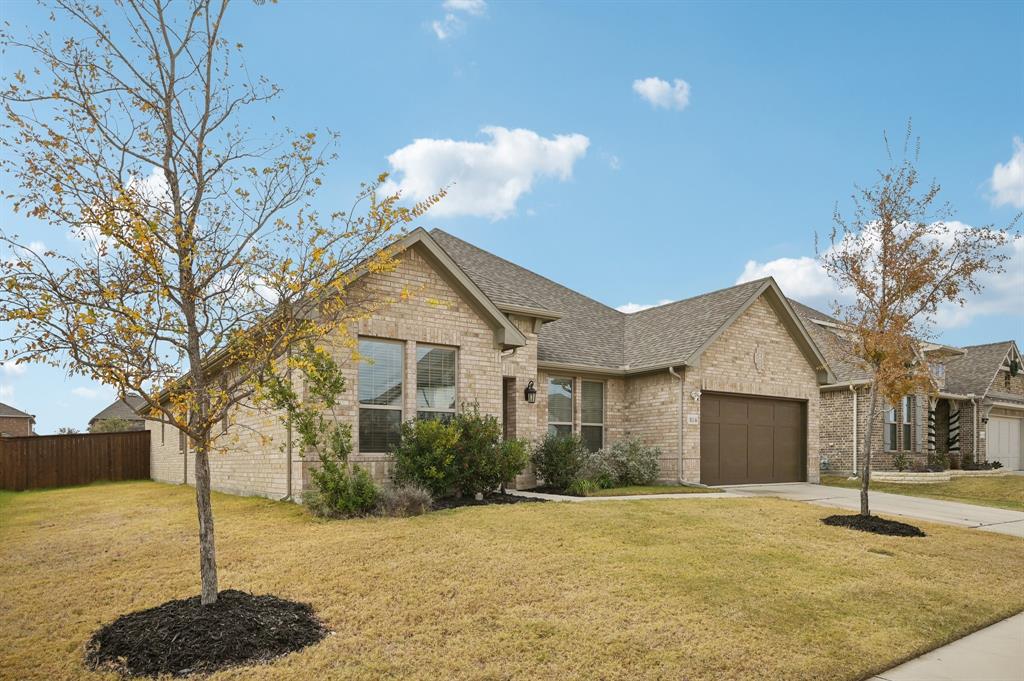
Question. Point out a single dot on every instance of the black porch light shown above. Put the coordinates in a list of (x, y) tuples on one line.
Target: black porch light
[(530, 393)]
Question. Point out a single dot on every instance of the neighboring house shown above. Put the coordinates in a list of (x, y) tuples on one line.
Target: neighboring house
[(125, 410), (14, 422), (972, 392), (726, 384)]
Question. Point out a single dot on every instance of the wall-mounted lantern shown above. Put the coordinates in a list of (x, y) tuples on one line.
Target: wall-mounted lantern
[(530, 393)]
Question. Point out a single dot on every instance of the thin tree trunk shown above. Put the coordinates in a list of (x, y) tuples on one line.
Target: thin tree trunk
[(865, 475), (207, 550)]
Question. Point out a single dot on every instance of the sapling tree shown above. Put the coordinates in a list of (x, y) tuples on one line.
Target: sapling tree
[(197, 256), (899, 257)]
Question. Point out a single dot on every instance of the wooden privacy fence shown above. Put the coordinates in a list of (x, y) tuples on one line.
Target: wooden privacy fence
[(57, 460)]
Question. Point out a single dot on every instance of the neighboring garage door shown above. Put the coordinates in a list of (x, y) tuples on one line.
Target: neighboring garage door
[(1004, 442), (746, 439)]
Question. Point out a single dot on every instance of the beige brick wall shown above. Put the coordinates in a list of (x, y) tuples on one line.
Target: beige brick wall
[(728, 366), (652, 415), (15, 426)]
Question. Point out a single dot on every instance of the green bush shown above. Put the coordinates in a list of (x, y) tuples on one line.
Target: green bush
[(338, 493), (559, 459), (631, 462), (402, 501), (425, 455), (582, 487), (901, 461), (463, 456)]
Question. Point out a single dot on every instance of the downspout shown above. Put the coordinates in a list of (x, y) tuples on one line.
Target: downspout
[(974, 408), (854, 391), (288, 435)]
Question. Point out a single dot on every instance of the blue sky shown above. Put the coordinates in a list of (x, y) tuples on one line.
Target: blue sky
[(761, 118)]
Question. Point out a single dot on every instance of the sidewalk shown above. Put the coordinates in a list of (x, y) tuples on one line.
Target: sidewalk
[(995, 653), (627, 497)]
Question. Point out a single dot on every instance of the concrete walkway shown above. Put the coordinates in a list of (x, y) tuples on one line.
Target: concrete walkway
[(984, 518), (995, 653), (627, 497)]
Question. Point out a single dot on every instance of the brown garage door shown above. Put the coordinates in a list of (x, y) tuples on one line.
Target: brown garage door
[(745, 439)]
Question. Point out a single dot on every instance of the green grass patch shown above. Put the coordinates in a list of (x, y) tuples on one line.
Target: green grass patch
[(1005, 491)]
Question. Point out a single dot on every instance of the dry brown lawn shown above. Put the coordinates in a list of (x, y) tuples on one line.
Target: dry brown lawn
[(713, 589)]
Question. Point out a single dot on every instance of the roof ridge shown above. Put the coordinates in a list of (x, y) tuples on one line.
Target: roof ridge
[(525, 269), (698, 296)]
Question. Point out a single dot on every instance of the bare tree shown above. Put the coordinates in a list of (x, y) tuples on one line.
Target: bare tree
[(199, 246), (901, 257)]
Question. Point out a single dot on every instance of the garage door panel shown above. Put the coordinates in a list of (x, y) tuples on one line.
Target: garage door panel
[(750, 439), (1004, 442), (709, 437), (761, 453), (732, 451)]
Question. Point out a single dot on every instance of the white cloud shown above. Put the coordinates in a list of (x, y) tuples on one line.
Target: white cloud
[(474, 7), (1008, 178), (87, 393), (12, 369), (661, 93), (630, 308), (6, 392), (452, 24), (803, 279), (485, 179)]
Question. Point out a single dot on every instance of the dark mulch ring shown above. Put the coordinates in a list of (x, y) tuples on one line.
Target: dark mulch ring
[(873, 523), (489, 499), (185, 637)]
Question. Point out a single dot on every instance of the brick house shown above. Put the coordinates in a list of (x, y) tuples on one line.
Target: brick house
[(14, 422), (124, 412), (977, 397), (726, 384)]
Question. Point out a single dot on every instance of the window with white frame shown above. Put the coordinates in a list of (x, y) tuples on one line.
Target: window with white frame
[(908, 410), (381, 369), (436, 371), (560, 406), (592, 408), (891, 429)]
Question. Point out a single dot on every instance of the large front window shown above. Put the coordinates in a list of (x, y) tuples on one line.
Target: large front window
[(560, 406), (380, 394), (891, 429), (908, 410), (435, 382), (592, 423)]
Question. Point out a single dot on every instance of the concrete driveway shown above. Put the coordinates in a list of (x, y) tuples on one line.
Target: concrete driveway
[(966, 515)]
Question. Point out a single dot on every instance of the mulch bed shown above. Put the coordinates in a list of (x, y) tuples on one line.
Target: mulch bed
[(873, 523), (488, 500), (185, 637)]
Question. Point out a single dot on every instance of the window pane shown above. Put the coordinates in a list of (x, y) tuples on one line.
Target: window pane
[(435, 378), (561, 431), (906, 437), (379, 429), (593, 437), (560, 400), (380, 373), (593, 402)]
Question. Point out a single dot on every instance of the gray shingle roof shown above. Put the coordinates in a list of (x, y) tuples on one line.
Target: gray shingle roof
[(126, 409), (973, 373), (591, 333), (836, 349), (8, 410)]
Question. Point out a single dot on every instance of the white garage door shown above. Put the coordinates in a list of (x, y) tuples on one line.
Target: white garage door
[(1004, 441)]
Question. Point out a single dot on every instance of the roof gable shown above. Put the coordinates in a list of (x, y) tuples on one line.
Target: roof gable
[(8, 411), (591, 335), (127, 409), (974, 372)]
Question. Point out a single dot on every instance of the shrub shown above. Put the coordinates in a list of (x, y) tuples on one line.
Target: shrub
[(597, 469), (425, 455), (559, 459), (404, 500), (632, 463), (901, 461), (464, 455), (582, 487), (337, 493)]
